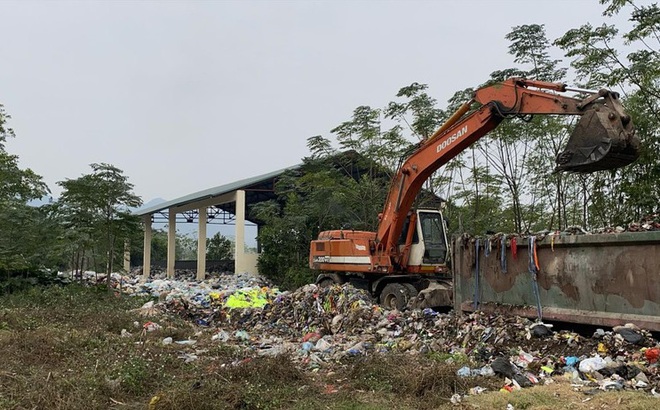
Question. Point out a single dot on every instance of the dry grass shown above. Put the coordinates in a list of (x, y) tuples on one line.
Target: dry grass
[(61, 349), (561, 395)]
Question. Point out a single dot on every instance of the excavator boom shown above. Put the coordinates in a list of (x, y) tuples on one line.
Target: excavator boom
[(604, 138)]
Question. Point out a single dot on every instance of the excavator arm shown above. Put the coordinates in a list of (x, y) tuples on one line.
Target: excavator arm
[(603, 139)]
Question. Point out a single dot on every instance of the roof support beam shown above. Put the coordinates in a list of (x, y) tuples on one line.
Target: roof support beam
[(127, 255), (171, 242), (201, 244), (146, 264)]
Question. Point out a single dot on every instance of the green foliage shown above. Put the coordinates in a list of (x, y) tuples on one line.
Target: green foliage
[(530, 47), (186, 247), (18, 185), (632, 192), (27, 235), (95, 208), (342, 191), (159, 245), (219, 248), (134, 374)]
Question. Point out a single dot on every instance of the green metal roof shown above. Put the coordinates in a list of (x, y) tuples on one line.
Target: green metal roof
[(214, 192)]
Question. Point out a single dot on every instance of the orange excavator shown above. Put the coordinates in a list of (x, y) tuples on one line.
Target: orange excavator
[(408, 256)]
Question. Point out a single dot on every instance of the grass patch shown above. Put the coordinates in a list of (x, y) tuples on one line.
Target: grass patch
[(561, 395)]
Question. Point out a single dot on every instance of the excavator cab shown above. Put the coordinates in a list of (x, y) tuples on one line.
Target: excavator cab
[(429, 244), (603, 139)]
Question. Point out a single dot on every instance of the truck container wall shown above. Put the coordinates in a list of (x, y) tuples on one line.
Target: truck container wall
[(603, 279)]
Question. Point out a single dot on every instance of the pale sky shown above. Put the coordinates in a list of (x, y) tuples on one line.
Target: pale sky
[(185, 96)]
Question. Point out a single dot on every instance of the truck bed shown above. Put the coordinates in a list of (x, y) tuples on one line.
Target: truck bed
[(598, 279)]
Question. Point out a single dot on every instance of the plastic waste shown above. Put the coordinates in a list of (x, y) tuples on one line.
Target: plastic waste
[(571, 361), (187, 342), (242, 335), (541, 330), (148, 305), (463, 372), (167, 341), (572, 374), (322, 345), (428, 312), (503, 366), (455, 398), (652, 355), (477, 390), (486, 371), (609, 384), (523, 359), (356, 349), (221, 336), (154, 402), (311, 337), (592, 364), (188, 357), (642, 377), (248, 298), (629, 333), (335, 326), (151, 326)]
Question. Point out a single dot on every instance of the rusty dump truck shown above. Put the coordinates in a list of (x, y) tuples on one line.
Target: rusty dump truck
[(601, 279)]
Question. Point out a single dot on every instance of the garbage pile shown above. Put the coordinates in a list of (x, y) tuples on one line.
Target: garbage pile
[(320, 326), (647, 223), (195, 293)]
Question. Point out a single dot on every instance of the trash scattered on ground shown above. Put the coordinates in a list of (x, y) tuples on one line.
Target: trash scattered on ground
[(151, 326), (318, 327)]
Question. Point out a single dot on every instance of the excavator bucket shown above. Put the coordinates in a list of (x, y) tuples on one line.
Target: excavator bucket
[(604, 138)]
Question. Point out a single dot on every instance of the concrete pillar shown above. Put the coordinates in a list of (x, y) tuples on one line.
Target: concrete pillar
[(127, 256), (171, 242), (146, 255), (201, 244), (239, 252)]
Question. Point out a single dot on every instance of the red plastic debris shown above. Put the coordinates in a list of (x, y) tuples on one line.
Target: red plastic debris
[(652, 355), (514, 248), (311, 337)]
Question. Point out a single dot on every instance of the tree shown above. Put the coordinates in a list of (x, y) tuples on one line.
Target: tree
[(185, 247), (22, 245), (619, 196), (96, 208), (219, 248), (18, 185)]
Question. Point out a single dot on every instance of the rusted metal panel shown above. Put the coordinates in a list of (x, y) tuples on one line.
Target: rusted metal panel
[(605, 279)]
